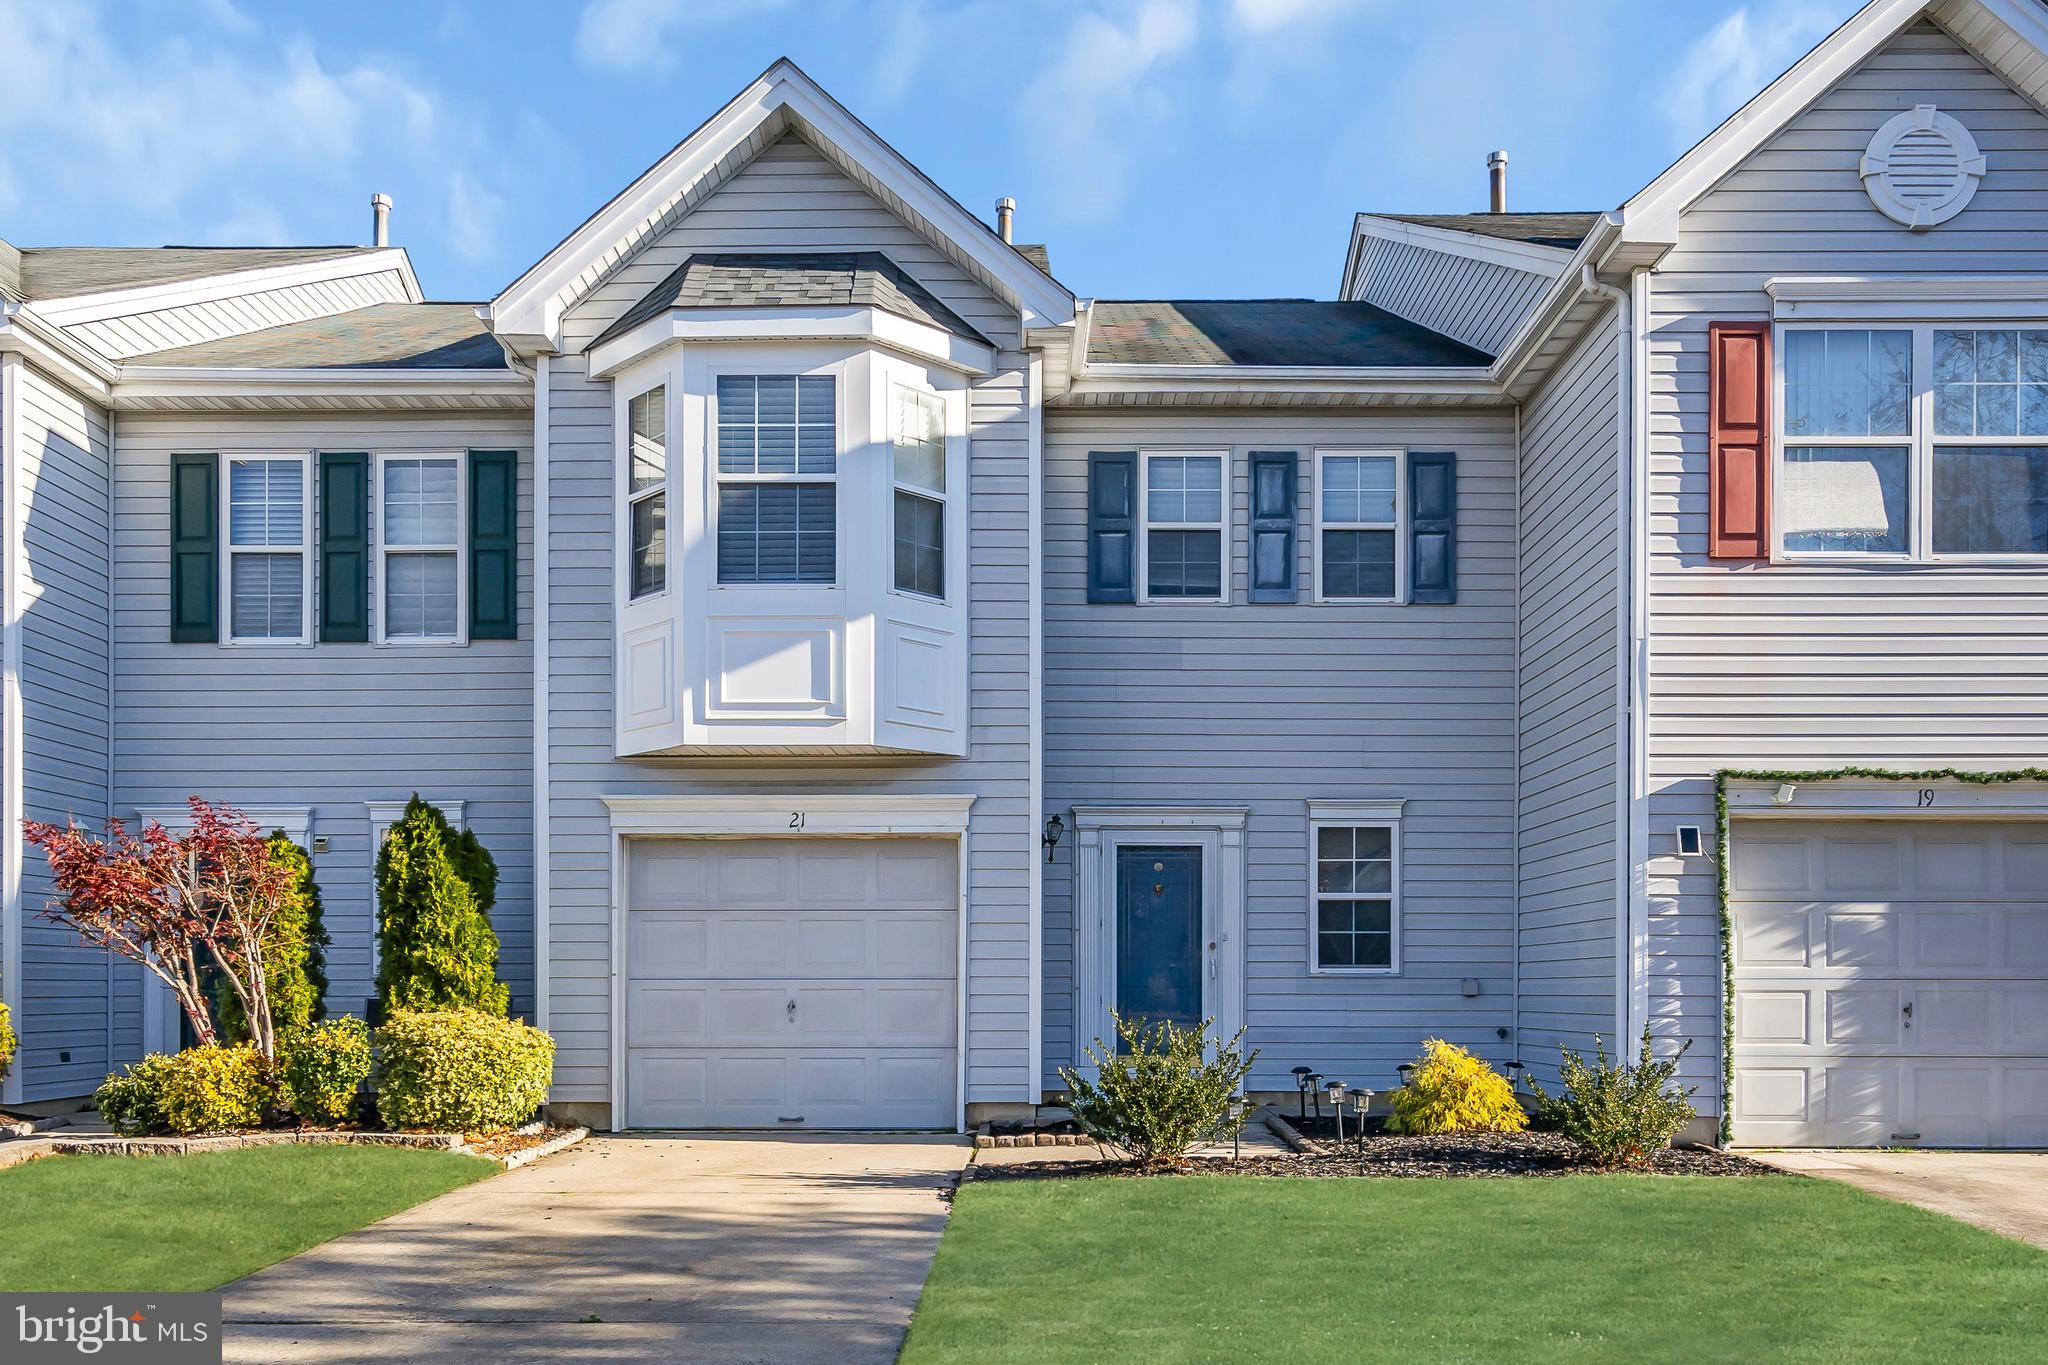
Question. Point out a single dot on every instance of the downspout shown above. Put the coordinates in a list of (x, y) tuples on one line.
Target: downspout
[(1624, 580), (113, 979), (541, 944), (1639, 654), (1034, 519), (1515, 840)]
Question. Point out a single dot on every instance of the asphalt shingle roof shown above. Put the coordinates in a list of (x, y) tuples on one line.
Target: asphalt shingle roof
[(405, 336), (1565, 230), (1264, 332), (56, 272), (792, 280)]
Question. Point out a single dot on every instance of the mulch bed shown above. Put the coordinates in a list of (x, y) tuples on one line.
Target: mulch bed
[(1461, 1155)]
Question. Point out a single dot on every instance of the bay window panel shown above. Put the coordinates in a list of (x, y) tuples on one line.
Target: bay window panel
[(920, 544), (1846, 499), (649, 422), (1990, 500), (647, 492), (918, 447), (777, 533), (650, 545)]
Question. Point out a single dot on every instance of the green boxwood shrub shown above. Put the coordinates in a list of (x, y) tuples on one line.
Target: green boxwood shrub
[(321, 1067), (294, 956), (465, 1071), (435, 945), (1158, 1093), (199, 1090)]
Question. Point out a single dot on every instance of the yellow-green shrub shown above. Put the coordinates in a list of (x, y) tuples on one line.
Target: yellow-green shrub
[(460, 1071), (320, 1068), (1453, 1091), (199, 1090), (7, 1039)]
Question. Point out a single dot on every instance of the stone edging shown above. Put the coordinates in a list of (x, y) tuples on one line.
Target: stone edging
[(1285, 1131), (984, 1138)]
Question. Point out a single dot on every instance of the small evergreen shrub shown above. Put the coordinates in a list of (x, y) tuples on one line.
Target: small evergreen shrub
[(435, 945), (8, 1041), (294, 955), (1455, 1092), (460, 1071), (200, 1090), (320, 1068), (1617, 1115), (1160, 1094)]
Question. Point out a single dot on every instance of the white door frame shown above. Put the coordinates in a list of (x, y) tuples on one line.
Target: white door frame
[(796, 815), (1099, 830)]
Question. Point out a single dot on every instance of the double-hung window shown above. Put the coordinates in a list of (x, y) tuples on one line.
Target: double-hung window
[(267, 583), (778, 462), (1182, 547), (647, 492), (420, 546), (917, 457), (1922, 443), (1354, 907), (1358, 526)]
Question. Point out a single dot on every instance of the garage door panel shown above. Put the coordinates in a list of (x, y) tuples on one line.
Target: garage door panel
[(811, 1088), (1923, 989), (666, 1013)]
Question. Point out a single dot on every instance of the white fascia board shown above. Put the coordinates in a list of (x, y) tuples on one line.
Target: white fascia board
[(853, 324), (1472, 384), (53, 349), (764, 816), (1651, 214), (530, 307), (1565, 294), (1532, 257), (141, 382), (120, 303), (1935, 299)]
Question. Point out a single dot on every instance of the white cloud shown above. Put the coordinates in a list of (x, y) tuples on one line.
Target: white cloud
[(1739, 57), (1096, 98), (1272, 16), (641, 35), (474, 212)]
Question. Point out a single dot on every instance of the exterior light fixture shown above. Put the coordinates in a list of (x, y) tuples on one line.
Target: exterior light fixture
[(1690, 843), (1315, 1091), (1516, 1072), (1406, 1071), (1335, 1090), (1784, 794), (1361, 1101), (1054, 829), (1301, 1087)]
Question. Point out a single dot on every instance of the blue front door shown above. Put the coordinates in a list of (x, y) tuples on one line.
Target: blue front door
[(1159, 934)]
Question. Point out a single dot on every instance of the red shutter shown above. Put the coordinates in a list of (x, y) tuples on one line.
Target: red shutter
[(1739, 440)]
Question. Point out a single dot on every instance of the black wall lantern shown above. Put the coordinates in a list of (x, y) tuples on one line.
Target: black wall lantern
[(1054, 829)]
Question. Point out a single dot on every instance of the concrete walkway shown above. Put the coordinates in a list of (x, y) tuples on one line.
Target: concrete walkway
[(2006, 1192), (737, 1248)]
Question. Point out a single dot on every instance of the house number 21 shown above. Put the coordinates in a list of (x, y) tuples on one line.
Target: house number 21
[(796, 819)]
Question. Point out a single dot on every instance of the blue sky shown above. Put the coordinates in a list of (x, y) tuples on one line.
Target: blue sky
[(1182, 148)]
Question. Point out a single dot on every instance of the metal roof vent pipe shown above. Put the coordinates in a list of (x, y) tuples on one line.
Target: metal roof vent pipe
[(1497, 182), (380, 220), (1006, 215)]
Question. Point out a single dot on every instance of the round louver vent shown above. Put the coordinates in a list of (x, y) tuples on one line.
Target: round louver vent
[(1922, 168)]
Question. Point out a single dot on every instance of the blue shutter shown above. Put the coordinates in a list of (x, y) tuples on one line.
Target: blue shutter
[(1112, 526), (1273, 477), (1433, 527)]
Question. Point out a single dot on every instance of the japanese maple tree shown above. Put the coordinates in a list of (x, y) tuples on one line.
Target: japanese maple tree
[(173, 902)]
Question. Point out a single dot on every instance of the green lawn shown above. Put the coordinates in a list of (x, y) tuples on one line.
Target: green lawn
[(170, 1223), (1586, 1267)]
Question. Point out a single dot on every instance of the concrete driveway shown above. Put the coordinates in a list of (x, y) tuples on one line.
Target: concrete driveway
[(781, 1248), (2006, 1192)]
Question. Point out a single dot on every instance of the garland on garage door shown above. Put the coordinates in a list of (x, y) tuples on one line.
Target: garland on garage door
[(1727, 917)]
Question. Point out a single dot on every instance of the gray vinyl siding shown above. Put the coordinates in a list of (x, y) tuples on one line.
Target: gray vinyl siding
[(1480, 303), (329, 726), (75, 999), (1269, 706), (161, 329), (1791, 667), (791, 198), (1569, 704)]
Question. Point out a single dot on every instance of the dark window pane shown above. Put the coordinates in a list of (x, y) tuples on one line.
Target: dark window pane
[(777, 533), (650, 544), (920, 545), (1334, 950), (1990, 500), (1354, 933), (1184, 564), (1358, 563)]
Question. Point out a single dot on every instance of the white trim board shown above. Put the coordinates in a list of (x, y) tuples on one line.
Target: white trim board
[(1878, 298), (1882, 798), (867, 326)]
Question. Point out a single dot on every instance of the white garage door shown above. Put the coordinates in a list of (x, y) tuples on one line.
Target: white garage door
[(786, 983), (1891, 983)]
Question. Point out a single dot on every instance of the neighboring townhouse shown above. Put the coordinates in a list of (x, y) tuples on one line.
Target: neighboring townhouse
[(872, 664)]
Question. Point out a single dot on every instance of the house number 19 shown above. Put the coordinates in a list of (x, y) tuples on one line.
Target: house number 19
[(796, 819), (1925, 797)]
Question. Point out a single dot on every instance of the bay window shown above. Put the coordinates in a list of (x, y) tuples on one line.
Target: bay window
[(266, 583), (1924, 443), (420, 547), (647, 492), (917, 458)]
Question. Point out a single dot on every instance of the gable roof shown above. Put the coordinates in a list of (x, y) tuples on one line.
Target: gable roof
[(1561, 230), (1290, 332), (736, 279), (58, 272), (401, 336), (782, 100)]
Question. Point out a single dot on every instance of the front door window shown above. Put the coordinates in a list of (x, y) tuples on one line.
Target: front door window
[(1159, 934)]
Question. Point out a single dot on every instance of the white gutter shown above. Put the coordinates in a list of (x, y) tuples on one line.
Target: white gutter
[(1624, 508), (140, 383), (541, 944)]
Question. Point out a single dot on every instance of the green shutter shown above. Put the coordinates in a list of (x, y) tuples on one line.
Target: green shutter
[(344, 548), (493, 545), (195, 549)]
